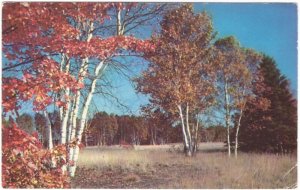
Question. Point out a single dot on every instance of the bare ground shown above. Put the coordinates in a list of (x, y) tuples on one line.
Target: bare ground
[(165, 167)]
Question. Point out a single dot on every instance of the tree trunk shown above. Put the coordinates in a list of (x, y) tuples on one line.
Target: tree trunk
[(48, 131), (120, 27), (152, 135), (196, 137), (185, 138), (237, 133), (73, 154), (189, 153), (62, 63), (65, 116), (86, 139), (227, 116), (98, 72)]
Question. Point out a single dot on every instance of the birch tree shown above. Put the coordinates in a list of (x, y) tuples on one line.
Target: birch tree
[(228, 55), (123, 20), (237, 70), (56, 36), (178, 70)]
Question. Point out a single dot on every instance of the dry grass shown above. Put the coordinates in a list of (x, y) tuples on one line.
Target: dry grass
[(149, 167)]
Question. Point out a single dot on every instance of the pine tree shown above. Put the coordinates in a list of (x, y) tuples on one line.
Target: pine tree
[(274, 129)]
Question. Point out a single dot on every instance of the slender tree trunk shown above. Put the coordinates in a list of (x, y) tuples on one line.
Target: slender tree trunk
[(48, 131), (185, 138), (120, 27), (189, 153), (64, 113), (88, 27), (196, 136), (98, 72), (98, 139), (239, 123), (86, 139), (152, 135), (237, 133), (65, 116), (227, 116), (61, 109)]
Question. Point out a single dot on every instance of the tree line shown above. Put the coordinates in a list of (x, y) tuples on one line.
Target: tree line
[(108, 129)]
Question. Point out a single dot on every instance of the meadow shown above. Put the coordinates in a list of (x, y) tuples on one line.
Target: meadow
[(166, 167)]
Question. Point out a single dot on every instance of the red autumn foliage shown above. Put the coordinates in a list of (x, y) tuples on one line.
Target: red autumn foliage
[(37, 87), (26, 165), (36, 34)]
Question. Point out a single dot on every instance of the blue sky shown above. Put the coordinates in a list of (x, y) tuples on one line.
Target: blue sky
[(270, 28), (267, 27)]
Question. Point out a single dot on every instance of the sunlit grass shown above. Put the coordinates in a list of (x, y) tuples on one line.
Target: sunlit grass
[(205, 170)]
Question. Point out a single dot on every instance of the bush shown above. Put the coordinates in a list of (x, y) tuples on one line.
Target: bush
[(26, 165)]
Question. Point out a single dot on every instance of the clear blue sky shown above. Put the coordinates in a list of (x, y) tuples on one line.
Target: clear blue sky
[(270, 28), (267, 27)]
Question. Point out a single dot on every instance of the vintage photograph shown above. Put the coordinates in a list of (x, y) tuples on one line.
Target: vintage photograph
[(149, 95)]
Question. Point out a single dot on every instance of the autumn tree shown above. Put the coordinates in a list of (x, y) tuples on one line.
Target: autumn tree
[(273, 129), (52, 44), (178, 70), (237, 71)]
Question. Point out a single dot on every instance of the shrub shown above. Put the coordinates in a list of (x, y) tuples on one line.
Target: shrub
[(26, 165)]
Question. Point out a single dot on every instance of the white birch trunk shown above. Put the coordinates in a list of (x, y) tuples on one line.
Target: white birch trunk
[(82, 73), (70, 128), (88, 27), (98, 71), (120, 27), (238, 127), (73, 125), (196, 136), (65, 116), (61, 109), (227, 116), (49, 131), (186, 143), (189, 153), (239, 122), (237, 134)]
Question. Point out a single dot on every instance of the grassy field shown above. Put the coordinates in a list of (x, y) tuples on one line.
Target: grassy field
[(165, 167)]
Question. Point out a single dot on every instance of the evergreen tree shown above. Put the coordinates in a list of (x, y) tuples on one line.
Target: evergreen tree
[(274, 129)]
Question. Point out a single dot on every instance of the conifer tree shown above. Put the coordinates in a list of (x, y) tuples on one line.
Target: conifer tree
[(274, 129)]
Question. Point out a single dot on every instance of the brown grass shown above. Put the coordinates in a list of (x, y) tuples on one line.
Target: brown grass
[(161, 168)]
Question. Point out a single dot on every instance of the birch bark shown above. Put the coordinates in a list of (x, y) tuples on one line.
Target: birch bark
[(65, 115), (98, 72), (227, 116), (49, 131), (237, 134), (88, 27), (186, 143), (189, 152)]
